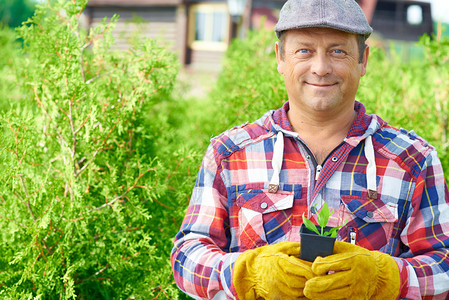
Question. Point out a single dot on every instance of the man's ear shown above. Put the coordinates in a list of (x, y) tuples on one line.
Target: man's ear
[(279, 59), (364, 61)]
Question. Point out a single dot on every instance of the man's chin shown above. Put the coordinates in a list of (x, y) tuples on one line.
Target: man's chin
[(323, 105)]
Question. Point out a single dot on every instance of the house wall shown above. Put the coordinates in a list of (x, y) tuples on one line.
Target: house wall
[(156, 22), (172, 23), (168, 24)]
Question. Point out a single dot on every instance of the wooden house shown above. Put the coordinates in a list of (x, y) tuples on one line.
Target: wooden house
[(198, 31)]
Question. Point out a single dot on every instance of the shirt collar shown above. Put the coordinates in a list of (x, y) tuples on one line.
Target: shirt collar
[(358, 128)]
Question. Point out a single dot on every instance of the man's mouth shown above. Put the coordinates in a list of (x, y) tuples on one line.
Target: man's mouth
[(321, 84)]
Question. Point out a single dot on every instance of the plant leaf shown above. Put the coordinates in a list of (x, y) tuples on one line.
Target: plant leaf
[(323, 215), (333, 231), (309, 225)]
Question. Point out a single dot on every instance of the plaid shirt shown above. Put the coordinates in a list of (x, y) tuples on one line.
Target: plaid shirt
[(231, 210)]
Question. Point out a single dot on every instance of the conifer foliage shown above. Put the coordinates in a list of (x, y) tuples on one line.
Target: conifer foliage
[(79, 177)]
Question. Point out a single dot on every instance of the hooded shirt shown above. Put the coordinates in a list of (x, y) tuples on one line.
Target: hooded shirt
[(256, 181)]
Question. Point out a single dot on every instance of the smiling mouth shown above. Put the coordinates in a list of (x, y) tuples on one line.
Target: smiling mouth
[(321, 84)]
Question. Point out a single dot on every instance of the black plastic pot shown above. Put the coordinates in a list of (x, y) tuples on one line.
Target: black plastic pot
[(313, 245)]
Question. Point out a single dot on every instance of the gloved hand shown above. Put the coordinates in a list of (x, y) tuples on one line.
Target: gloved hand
[(357, 274), (271, 272)]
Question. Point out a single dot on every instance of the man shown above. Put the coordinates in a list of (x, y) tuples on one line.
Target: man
[(240, 236)]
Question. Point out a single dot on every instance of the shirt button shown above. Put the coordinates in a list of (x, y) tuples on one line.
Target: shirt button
[(263, 205), (313, 210), (308, 156), (334, 159), (369, 214)]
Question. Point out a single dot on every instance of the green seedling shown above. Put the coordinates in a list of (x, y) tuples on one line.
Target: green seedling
[(322, 218)]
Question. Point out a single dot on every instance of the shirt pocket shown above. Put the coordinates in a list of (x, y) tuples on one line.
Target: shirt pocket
[(263, 217), (373, 220)]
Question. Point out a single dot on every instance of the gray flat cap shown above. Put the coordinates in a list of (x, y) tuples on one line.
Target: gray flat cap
[(344, 15)]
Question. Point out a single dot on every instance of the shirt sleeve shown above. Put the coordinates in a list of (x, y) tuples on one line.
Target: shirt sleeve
[(424, 266), (201, 262)]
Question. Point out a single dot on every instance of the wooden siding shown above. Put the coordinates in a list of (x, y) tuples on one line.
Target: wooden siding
[(156, 23), (205, 60)]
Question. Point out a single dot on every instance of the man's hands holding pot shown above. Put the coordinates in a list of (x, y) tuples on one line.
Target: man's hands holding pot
[(352, 272)]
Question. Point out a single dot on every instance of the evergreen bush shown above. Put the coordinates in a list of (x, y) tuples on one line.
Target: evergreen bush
[(9, 58), (87, 210)]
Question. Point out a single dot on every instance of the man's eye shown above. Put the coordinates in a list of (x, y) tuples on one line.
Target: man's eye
[(303, 51), (338, 51)]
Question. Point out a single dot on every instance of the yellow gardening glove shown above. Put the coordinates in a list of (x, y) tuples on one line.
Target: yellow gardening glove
[(357, 273), (271, 272)]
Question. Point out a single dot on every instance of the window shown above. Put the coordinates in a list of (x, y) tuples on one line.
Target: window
[(414, 15), (209, 27)]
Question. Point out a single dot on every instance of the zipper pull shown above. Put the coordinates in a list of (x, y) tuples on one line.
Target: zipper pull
[(318, 170), (352, 235)]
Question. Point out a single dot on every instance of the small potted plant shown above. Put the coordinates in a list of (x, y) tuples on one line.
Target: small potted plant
[(317, 240)]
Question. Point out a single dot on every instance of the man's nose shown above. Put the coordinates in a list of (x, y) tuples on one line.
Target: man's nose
[(321, 64)]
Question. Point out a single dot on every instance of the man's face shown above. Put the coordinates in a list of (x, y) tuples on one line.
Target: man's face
[(321, 69)]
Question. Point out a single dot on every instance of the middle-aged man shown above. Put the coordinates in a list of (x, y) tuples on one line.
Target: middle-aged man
[(240, 236)]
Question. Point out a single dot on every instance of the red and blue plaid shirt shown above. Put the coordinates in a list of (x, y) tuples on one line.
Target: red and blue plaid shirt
[(232, 211)]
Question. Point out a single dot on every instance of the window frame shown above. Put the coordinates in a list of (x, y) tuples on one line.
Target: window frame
[(209, 9)]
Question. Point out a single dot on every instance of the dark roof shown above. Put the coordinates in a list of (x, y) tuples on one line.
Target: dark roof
[(134, 2)]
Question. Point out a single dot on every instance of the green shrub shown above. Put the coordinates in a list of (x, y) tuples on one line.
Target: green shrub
[(9, 58), (14, 12), (86, 209)]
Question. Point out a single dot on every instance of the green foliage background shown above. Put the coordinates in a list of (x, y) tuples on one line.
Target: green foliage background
[(100, 149), (14, 12), (87, 210)]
